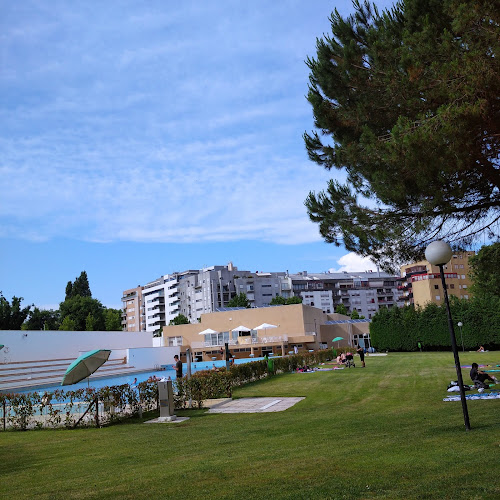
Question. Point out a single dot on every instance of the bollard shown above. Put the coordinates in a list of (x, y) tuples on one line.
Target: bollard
[(166, 396)]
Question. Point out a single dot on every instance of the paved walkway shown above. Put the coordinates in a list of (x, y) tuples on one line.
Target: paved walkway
[(254, 405)]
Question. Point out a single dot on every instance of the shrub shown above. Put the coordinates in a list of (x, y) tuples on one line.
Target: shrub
[(22, 411), (400, 329)]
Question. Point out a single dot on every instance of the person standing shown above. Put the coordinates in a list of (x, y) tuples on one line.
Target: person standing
[(361, 353), (178, 367)]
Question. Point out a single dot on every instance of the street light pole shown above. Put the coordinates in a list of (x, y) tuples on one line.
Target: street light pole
[(460, 324), (439, 253)]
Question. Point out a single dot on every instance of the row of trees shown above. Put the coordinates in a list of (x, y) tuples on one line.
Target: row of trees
[(241, 300), (401, 329), (342, 309), (78, 312)]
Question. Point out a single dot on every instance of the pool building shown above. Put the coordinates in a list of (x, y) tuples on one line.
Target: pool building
[(276, 330)]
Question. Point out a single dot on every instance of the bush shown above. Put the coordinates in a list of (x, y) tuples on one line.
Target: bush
[(30, 410), (400, 329)]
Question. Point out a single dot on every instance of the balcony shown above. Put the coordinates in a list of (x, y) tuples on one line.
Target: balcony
[(302, 338), (244, 341)]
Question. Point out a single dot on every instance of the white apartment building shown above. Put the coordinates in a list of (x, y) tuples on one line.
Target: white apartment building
[(161, 302), (364, 292), (321, 299)]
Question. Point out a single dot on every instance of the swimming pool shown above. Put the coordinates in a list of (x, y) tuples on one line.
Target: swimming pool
[(99, 382)]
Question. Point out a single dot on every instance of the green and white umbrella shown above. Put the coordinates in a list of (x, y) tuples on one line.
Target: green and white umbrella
[(338, 339), (85, 365)]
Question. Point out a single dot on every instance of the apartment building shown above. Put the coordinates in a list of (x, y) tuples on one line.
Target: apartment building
[(207, 290), (365, 292), (421, 281), (260, 288), (131, 310), (161, 301), (196, 292)]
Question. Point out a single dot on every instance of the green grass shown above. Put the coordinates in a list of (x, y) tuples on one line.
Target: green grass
[(378, 432)]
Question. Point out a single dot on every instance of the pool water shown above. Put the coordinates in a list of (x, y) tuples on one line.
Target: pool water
[(99, 382)]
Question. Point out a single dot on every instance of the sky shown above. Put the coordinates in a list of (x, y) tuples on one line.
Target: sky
[(142, 138)]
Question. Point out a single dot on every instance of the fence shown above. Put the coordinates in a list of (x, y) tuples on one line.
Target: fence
[(89, 407)]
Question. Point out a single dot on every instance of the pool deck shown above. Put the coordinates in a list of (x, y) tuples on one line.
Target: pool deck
[(254, 405)]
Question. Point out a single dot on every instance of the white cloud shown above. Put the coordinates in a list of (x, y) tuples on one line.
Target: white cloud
[(353, 262), (165, 123)]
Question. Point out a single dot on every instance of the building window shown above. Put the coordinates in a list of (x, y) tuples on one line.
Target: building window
[(436, 287), (438, 297), (452, 286)]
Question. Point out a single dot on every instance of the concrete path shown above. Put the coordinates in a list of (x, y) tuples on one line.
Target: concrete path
[(254, 405)]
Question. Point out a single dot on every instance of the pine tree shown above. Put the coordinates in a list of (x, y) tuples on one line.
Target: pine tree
[(406, 103)]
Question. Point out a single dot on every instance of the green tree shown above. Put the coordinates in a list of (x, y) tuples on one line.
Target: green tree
[(484, 271), (12, 316), (84, 312), (239, 301), (90, 323), (180, 319), (40, 319), (78, 309), (355, 314), (113, 319), (278, 301), (406, 103), (79, 287), (68, 325), (341, 309)]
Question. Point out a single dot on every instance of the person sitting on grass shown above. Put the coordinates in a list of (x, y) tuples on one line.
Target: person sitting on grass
[(479, 377), (340, 359)]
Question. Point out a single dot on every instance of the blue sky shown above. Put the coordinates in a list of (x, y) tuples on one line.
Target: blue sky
[(142, 138)]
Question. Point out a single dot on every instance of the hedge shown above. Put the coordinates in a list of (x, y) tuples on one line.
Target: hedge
[(65, 408), (401, 329)]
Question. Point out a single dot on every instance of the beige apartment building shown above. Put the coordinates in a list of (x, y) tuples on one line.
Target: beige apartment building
[(421, 281), (132, 315), (298, 325)]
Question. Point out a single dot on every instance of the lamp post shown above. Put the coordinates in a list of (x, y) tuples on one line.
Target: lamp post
[(438, 253), (460, 324)]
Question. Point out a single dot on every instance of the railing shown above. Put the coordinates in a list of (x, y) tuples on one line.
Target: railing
[(243, 341)]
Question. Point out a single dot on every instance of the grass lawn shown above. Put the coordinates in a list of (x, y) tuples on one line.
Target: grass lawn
[(378, 432)]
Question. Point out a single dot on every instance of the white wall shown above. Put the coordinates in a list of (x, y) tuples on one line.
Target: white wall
[(158, 342), (45, 345), (149, 357)]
